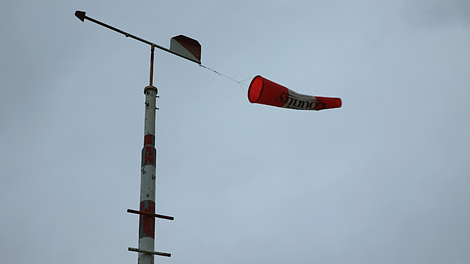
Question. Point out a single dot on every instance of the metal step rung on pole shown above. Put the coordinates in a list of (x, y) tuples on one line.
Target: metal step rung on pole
[(150, 252), (150, 214)]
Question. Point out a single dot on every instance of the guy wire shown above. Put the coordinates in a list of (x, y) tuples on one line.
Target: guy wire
[(240, 83)]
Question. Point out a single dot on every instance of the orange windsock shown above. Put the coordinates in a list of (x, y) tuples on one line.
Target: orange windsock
[(264, 91)]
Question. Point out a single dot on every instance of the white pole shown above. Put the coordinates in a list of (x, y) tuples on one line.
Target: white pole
[(148, 174), (148, 179)]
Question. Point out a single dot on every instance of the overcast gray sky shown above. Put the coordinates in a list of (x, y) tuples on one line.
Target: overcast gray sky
[(384, 179)]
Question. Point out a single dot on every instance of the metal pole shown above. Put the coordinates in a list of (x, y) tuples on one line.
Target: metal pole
[(148, 175), (149, 153), (152, 51)]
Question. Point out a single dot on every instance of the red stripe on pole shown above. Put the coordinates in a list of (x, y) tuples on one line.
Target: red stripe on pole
[(147, 223), (149, 155), (149, 140)]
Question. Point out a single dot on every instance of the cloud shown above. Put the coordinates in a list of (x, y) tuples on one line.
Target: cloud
[(436, 13)]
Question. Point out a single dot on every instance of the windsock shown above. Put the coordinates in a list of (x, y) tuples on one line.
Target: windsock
[(264, 91)]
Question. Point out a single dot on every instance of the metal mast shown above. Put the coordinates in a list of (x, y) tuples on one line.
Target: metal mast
[(148, 177), (148, 173), (183, 47)]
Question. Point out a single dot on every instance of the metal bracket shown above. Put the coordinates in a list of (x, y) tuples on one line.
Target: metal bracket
[(151, 215), (150, 252)]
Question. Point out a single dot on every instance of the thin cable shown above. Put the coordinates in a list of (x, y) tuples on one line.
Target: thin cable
[(245, 80), (223, 75)]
